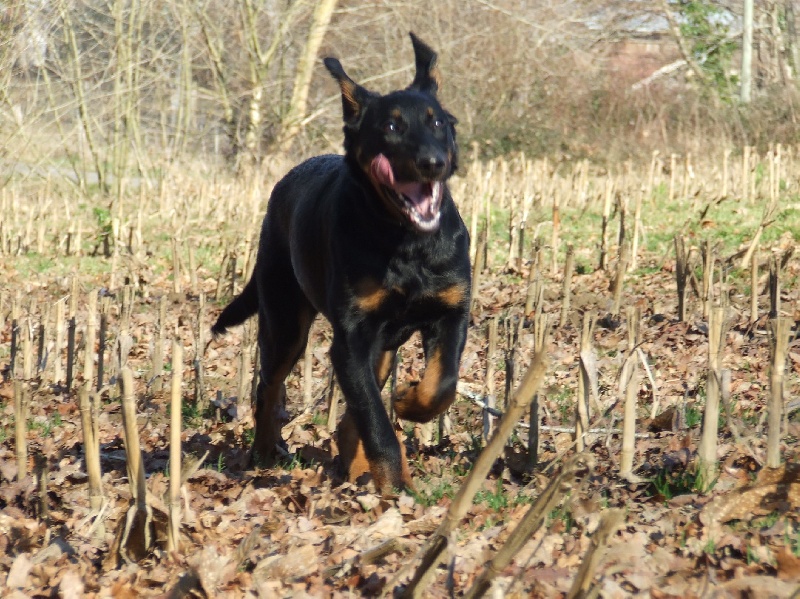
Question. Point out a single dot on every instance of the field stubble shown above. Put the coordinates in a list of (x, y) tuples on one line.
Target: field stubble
[(295, 529)]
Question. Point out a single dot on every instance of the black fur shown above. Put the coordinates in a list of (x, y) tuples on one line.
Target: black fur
[(374, 242)]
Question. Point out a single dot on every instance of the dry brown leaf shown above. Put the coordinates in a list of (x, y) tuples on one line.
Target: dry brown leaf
[(775, 489), (71, 586), (18, 573), (297, 564), (788, 565)]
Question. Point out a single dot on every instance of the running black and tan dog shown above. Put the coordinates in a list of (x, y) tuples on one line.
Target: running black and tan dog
[(373, 241)]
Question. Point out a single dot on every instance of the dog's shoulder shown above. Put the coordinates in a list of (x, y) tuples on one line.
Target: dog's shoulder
[(319, 170)]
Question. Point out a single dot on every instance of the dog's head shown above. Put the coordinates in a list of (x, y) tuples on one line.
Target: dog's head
[(404, 141)]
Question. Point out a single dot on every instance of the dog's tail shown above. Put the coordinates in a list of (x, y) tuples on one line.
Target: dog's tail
[(240, 309)]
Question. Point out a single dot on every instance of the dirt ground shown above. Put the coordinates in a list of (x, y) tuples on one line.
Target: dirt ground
[(299, 530)]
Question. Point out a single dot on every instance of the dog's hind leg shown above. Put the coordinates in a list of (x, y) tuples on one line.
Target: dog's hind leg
[(284, 319)]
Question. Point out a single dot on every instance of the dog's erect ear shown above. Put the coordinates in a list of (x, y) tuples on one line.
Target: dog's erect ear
[(427, 78), (354, 97)]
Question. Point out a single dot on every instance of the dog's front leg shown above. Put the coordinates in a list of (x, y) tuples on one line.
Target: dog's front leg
[(432, 395), (365, 432)]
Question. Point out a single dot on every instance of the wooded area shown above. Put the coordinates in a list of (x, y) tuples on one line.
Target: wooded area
[(110, 89)]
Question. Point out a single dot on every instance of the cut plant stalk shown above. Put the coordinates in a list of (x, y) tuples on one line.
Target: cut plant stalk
[(27, 350), (334, 394), (232, 265), (156, 377), (126, 310), (725, 398), (176, 267), (244, 363), (124, 341), (745, 191), (535, 292), (586, 377), (767, 218), (475, 209), (681, 275), (477, 269), (137, 538), (256, 374), (42, 343), (629, 384), (91, 447), (566, 287), (91, 335), (607, 197), (673, 171), (688, 173), (176, 410), (539, 330), (14, 338), (70, 352), (554, 240), (114, 249), (223, 269), (754, 287), (200, 398), (41, 473), (21, 428), (73, 298), (708, 277), (58, 372), (563, 484), (637, 233), (488, 421), (192, 269), (618, 283), (487, 224), (707, 452), (780, 329), (582, 586), (725, 176), (308, 373), (512, 339), (431, 553), (101, 350), (774, 288)]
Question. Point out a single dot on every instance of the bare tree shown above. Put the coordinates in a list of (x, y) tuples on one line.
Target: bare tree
[(305, 68)]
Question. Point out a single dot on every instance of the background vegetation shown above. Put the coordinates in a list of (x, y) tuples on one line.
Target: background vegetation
[(109, 89)]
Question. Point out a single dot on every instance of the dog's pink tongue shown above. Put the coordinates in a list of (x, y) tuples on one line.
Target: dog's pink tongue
[(382, 170), (419, 194)]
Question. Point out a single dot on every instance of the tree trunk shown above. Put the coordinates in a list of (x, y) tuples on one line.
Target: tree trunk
[(305, 69), (747, 52), (791, 38)]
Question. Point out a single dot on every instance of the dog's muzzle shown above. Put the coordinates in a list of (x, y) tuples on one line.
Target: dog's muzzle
[(419, 201)]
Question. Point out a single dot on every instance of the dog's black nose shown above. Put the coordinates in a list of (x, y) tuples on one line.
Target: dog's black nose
[(431, 165)]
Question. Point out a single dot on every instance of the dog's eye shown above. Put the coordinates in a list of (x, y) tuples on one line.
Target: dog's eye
[(391, 127), (438, 123)]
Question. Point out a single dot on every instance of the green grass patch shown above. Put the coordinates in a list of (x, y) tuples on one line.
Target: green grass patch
[(494, 499), (670, 484), (433, 492), (564, 514)]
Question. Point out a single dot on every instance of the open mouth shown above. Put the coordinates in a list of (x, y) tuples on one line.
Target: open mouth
[(418, 201)]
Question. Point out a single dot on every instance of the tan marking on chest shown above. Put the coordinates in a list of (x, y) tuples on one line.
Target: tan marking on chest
[(452, 296), (370, 295)]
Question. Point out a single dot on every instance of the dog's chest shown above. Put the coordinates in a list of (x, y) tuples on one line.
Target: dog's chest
[(409, 298)]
